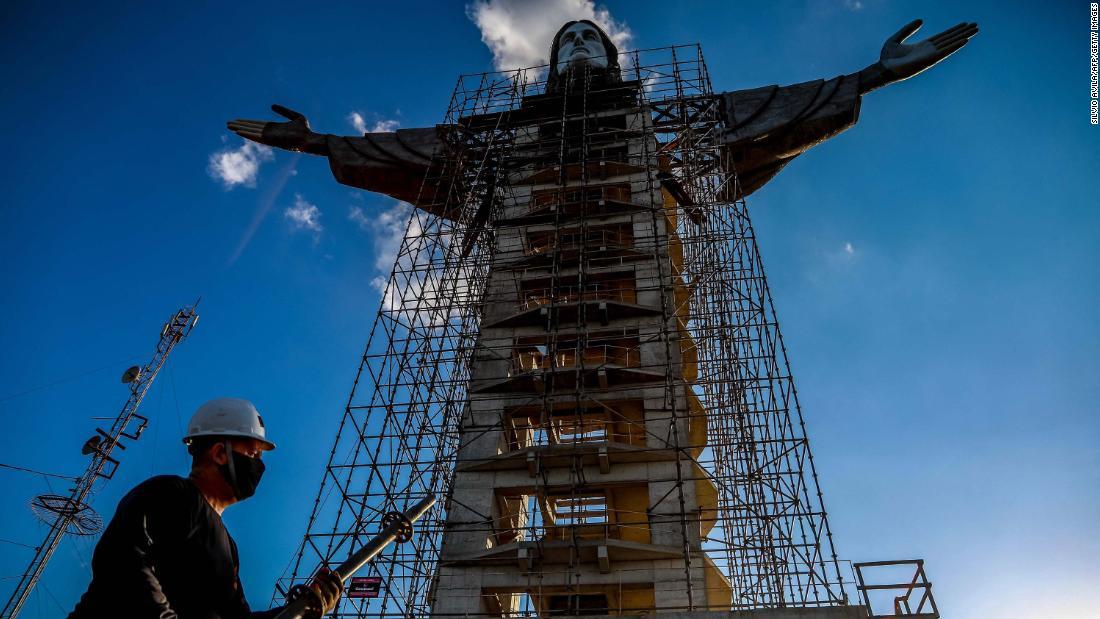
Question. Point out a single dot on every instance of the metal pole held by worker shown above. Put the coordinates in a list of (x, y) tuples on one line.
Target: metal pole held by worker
[(397, 526)]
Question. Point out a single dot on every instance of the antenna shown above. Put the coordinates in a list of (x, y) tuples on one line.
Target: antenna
[(131, 374), (72, 514)]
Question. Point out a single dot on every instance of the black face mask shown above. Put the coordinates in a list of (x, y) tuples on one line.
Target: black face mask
[(242, 472)]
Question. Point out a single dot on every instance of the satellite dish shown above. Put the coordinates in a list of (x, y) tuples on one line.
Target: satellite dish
[(91, 445), (49, 508), (131, 374)]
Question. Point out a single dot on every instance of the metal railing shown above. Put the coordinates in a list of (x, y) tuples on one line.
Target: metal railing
[(903, 603), (541, 199), (573, 294), (572, 241), (592, 356), (572, 431)]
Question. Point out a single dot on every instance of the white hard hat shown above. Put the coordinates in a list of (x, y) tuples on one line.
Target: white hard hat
[(228, 417)]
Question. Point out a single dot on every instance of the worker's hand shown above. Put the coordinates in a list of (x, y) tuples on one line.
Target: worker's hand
[(328, 588)]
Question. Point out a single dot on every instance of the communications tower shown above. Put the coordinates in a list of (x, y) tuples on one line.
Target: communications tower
[(72, 513)]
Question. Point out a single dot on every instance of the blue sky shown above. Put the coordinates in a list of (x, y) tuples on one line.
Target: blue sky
[(934, 268)]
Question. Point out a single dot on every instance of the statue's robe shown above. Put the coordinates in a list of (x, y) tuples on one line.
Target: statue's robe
[(390, 163), (768, 127), (765, 129)]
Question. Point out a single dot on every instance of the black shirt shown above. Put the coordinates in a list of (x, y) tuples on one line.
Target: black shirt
[(165, 554)]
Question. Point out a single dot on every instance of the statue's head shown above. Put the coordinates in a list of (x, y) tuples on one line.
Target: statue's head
[(582, 44)]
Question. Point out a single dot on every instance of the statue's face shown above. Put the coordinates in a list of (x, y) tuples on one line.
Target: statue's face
[(581, 44)]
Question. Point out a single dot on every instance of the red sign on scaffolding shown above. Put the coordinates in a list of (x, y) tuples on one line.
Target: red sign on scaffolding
[(364, 587)]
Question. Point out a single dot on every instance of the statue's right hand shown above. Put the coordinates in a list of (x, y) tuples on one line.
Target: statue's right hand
[(293, 135)]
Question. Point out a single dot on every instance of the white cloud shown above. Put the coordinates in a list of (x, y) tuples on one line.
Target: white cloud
[(357, 121), (519, 32), (391, 228), (423, 297), (380, 284), (848, 249), (385, 126), (359, 218), (418, 294), (304, 216), (381, 126), (853, 5), (239, 166)]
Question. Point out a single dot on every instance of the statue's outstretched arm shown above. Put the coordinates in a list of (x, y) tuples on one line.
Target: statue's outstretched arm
[(392, 163), (766, 128)]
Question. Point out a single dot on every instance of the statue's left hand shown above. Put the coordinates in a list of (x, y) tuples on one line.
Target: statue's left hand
[(903, 60), (294, 135)]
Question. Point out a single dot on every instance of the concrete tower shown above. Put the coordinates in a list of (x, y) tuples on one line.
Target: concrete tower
[(576, 482)]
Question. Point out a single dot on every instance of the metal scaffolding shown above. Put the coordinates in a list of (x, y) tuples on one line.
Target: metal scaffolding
[(547, 233)]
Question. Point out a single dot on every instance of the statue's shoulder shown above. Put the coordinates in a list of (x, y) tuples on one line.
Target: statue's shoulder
[(756, 113)]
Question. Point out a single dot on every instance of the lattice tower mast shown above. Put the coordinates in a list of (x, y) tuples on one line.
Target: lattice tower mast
[(73, 513), (595, 319)]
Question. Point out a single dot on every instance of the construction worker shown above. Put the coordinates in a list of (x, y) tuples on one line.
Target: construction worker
[(166, 553)]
